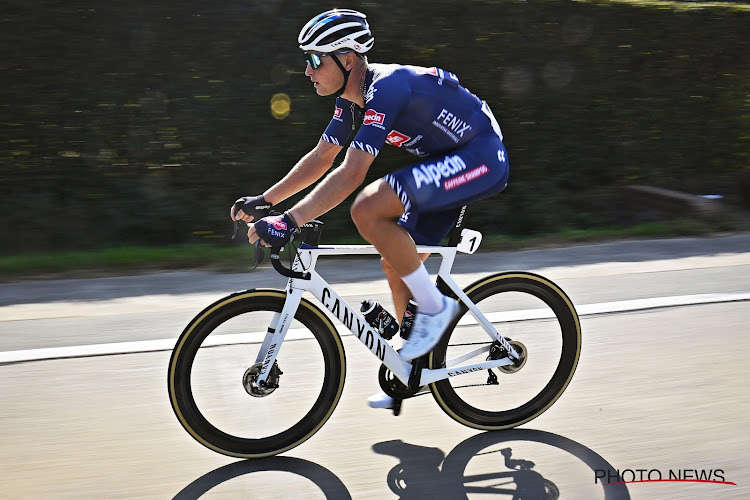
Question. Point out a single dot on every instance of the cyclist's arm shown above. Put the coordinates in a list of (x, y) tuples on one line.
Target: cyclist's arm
[(335, 187), (308, 169)]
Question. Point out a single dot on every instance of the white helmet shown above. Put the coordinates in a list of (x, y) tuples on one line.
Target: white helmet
[(336, 30)]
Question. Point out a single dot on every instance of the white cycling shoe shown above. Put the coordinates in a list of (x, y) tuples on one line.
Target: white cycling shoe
[(428, 330), (383, 400), (380, 400)]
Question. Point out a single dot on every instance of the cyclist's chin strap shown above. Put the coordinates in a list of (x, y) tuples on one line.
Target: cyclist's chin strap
[(344, 71)]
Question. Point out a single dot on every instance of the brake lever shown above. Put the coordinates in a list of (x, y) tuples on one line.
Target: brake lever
[(260, 254), (237, 224)]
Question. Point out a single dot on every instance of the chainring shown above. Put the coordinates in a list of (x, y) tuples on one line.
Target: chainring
[(392, 385)]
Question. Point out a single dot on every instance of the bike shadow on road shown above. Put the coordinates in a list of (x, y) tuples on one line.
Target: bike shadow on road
[(425, 472), (323, 478)]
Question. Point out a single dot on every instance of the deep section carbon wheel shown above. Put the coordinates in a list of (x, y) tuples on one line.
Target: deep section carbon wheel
[(214, 368), (539, 319)]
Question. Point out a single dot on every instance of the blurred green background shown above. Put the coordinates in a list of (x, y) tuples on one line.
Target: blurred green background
[(138, 123)]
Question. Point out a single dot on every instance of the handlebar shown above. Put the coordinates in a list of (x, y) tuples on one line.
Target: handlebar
[(283, 270), (309, 233)]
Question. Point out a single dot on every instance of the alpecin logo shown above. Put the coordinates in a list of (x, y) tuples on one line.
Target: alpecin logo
[(278, 224), (607, 477), (372, 117)]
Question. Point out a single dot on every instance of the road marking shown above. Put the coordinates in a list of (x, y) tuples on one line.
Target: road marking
[(298, 334)]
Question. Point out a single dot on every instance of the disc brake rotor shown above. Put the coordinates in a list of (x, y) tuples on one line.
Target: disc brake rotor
[(262, 389)]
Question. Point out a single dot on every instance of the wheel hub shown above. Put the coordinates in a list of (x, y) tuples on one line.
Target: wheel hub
[(261, 389), (497, 351), (522, 357)]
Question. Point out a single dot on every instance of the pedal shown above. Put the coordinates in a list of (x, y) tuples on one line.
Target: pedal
[(416, 374), (396, 407)]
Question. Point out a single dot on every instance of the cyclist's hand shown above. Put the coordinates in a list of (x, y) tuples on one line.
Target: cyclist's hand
[(249, 208), (274, 231)]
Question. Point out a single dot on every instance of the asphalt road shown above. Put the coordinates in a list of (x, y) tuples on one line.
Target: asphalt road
[(662, 390)]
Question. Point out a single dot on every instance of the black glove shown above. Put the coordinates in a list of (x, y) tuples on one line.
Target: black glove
[(276, 230), (255, 206)]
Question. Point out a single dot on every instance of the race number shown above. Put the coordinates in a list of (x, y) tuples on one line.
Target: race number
[(469, 241)]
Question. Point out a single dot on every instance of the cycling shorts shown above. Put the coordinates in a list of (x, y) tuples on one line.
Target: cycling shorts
[(434, 190)]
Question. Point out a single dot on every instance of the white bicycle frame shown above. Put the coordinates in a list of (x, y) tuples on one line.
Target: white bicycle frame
[(306, 260)]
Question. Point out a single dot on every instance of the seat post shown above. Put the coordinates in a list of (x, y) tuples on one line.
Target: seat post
[(455, 235)]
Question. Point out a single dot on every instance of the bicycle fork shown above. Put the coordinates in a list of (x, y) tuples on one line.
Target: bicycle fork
[(275, 335)]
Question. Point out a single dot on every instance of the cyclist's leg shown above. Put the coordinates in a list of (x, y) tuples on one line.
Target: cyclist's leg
[(399, 291), (430, 230), (375, 212), (423, 197), (431, 192)]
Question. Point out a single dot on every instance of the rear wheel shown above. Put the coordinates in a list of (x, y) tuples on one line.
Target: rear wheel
[(541, 323), (214, 367)]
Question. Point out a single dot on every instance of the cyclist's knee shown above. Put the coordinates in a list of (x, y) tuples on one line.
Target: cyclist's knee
[(361, 212), (375, 202)]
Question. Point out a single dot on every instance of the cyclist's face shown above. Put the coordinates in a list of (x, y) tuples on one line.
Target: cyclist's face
[(327, 77)]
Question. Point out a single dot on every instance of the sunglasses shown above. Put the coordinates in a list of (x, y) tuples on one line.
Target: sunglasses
[(315, 60)]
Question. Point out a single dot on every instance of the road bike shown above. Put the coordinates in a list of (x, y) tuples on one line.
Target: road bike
[(260, 371)]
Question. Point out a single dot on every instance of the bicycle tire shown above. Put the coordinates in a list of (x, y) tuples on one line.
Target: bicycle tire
[(561, 320), (237, 307)]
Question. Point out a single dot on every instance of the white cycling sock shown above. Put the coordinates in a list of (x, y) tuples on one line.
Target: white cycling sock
[(428, 298)]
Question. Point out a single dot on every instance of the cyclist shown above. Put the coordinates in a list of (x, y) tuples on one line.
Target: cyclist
[(425, 111)]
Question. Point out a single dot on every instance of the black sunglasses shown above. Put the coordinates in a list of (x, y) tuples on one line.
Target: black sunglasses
[(314, 60)]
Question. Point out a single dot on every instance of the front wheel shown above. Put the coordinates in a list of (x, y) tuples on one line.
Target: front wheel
[(539, 320), (214, 366)]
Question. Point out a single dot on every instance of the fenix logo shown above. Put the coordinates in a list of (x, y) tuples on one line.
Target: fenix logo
[(453, 126), (434, 173)]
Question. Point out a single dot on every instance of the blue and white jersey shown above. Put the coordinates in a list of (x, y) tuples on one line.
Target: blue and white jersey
[(422, 110)]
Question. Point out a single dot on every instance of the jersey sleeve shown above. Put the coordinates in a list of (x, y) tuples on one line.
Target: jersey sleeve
[(342, 123), (385, 100)]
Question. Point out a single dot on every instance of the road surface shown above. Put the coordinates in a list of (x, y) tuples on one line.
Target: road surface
[(662, 390)]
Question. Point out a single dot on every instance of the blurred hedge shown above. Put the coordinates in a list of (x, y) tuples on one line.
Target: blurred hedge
[(136, 122)]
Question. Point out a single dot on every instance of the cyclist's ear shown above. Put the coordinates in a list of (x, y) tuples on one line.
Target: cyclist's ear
[(350, 59)]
